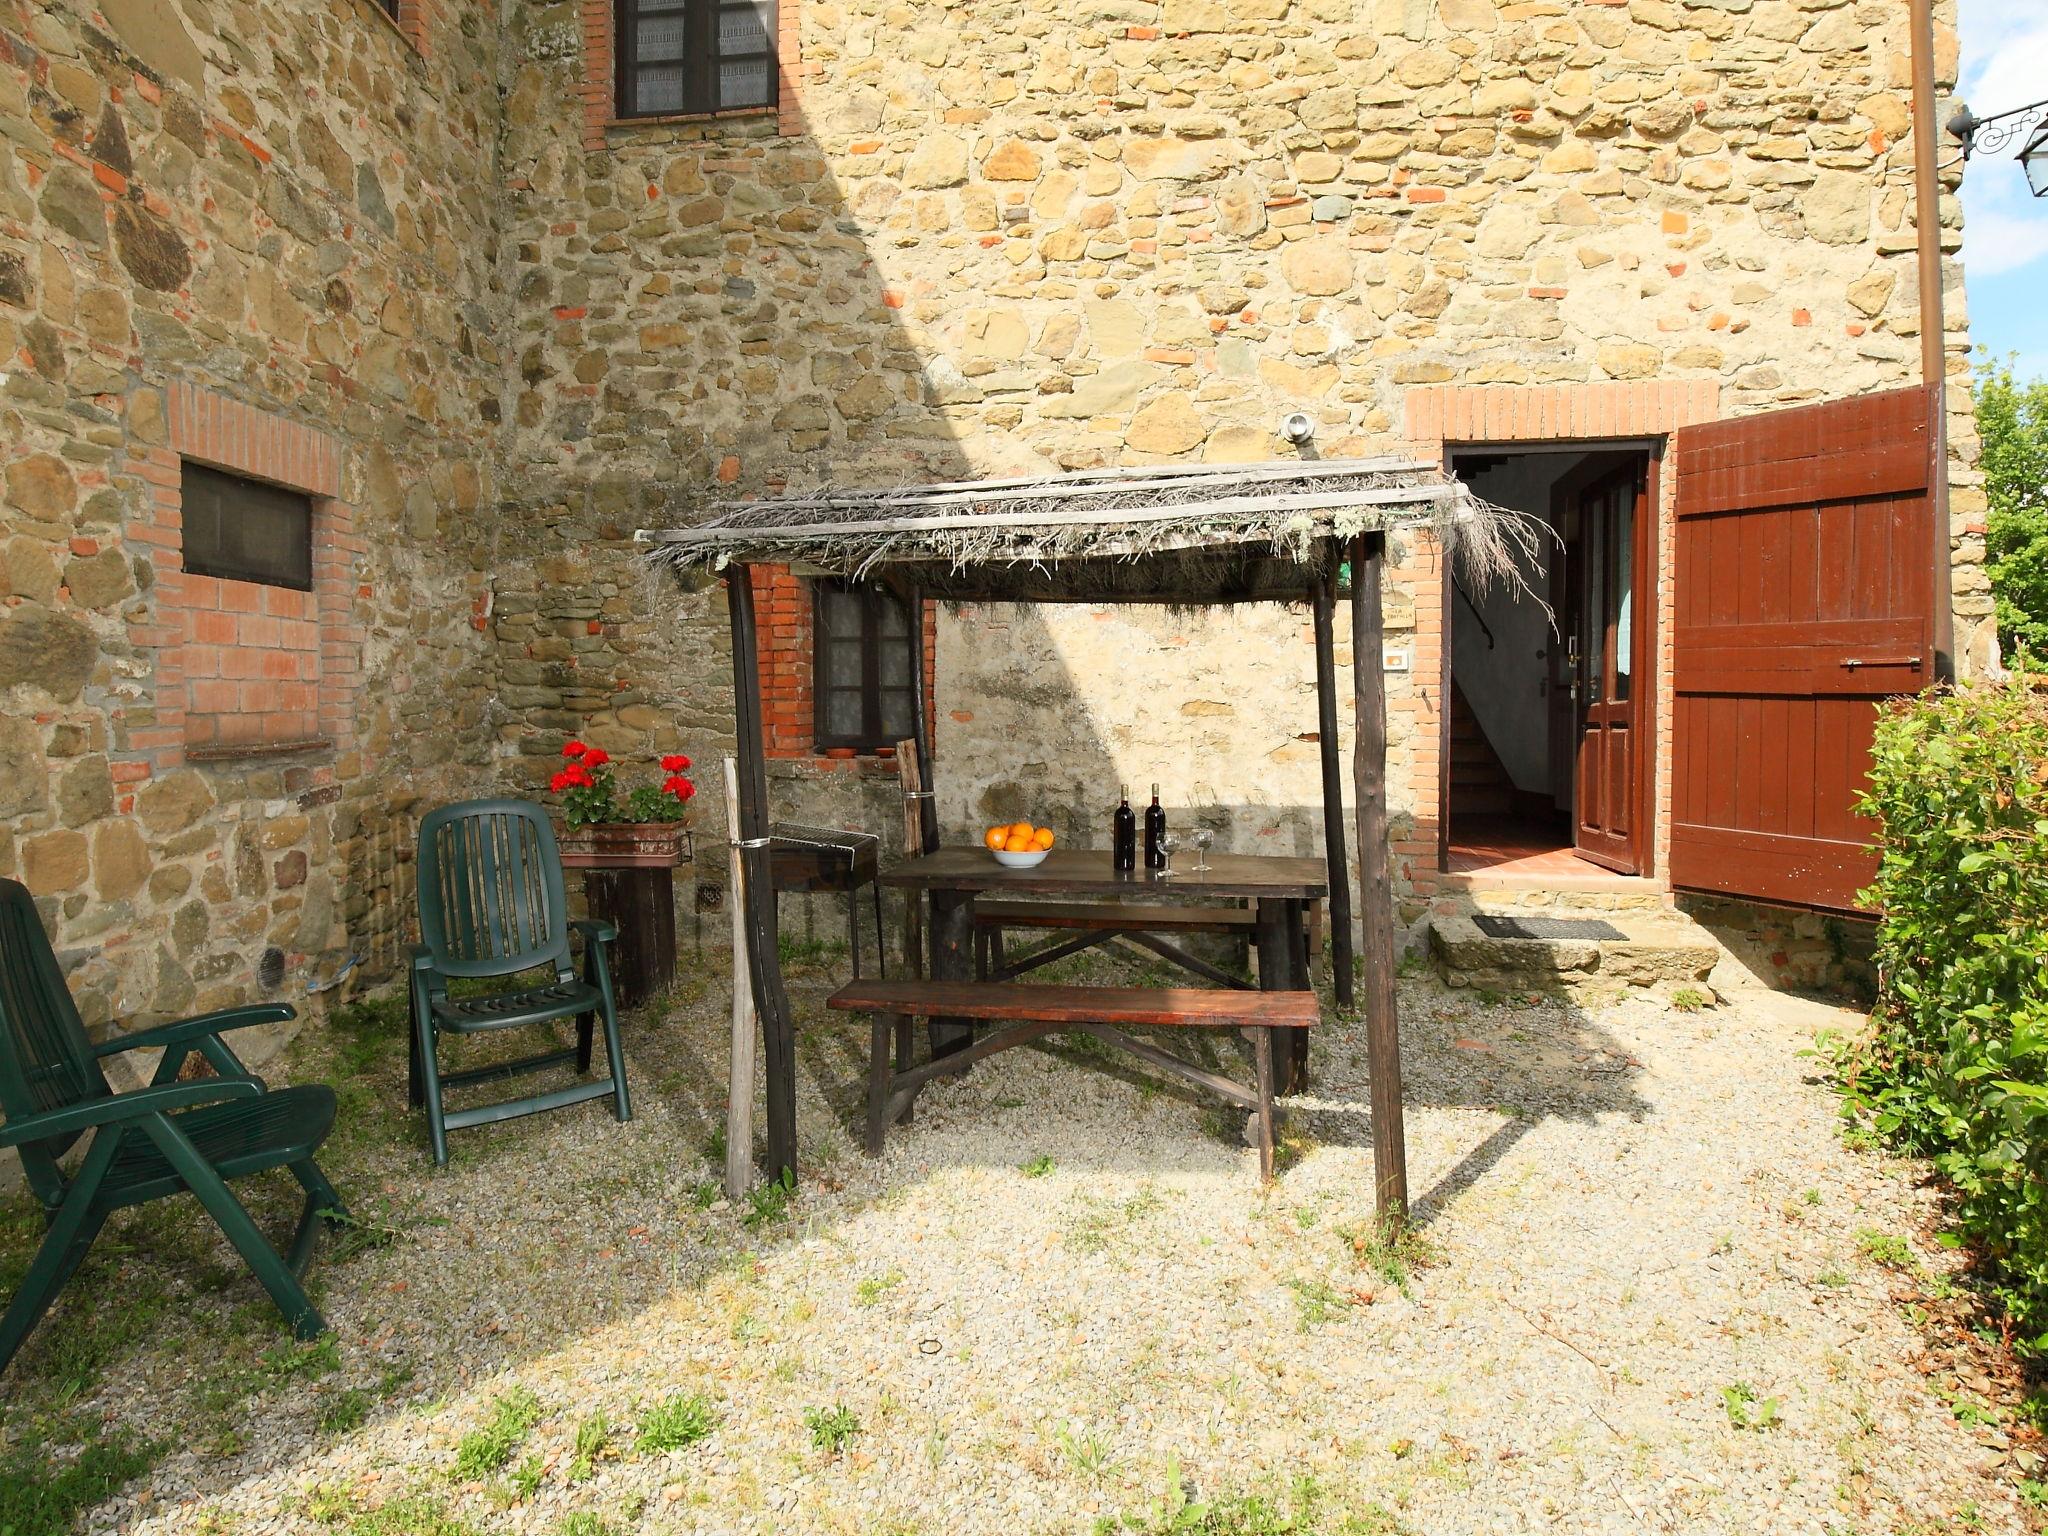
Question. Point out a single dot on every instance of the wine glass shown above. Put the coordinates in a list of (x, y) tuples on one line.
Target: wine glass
[(1169, 842), (1203, 794)]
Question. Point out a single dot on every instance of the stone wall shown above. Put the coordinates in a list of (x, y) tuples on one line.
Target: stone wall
[(290, 207), (1015, 236)]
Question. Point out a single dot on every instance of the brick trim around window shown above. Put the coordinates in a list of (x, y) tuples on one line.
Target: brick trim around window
[(599, 88), (244, 668), (785, 624)]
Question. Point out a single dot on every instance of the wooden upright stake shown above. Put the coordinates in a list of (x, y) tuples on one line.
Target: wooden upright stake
[(1333, 782), (764, 950), (1375, 888), (739, 1107), (921, 727), (908, 771)]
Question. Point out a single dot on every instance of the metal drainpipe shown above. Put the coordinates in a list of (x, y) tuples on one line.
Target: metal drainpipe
[(1933, 351)]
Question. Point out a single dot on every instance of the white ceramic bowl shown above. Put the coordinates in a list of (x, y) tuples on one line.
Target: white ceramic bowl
[(1011, 860)]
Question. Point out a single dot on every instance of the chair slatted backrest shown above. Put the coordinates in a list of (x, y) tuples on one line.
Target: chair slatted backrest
[(491, 899), (46, 1061)]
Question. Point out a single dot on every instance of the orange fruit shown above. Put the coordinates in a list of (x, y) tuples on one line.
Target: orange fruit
[(1042, 839), (1017, 844), (1022, 829), (995, 837)]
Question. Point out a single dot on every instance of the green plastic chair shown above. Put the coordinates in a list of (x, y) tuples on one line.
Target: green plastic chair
[(149, 1143), (491, 905)]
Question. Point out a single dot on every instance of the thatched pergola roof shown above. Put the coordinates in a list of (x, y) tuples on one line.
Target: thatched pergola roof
[(1177, 532)]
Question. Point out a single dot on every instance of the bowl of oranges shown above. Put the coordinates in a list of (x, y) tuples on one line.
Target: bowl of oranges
[(1018, 844)]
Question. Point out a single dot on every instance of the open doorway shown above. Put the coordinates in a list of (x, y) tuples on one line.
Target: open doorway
[(1548, 755)]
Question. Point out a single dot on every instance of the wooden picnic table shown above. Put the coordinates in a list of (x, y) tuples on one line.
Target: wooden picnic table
[(1281, 890)]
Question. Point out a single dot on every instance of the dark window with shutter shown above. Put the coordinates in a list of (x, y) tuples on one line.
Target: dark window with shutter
[(683, 56), (245, 530), (861, 670), (388, 7)]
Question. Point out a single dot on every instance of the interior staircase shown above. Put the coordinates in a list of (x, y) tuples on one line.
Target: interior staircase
[(1480, 785)]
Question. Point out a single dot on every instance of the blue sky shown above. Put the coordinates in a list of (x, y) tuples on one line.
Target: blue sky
[(2005, 229)]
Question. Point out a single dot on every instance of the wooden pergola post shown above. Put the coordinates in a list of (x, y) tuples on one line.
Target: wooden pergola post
[(1375, 888), (764, 950), (1333, 778)]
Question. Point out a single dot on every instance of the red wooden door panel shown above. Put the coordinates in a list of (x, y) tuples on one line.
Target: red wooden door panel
[(1804, 593), (1601, 559)]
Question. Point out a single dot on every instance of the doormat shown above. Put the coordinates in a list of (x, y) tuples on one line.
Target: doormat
[(1495, 926)]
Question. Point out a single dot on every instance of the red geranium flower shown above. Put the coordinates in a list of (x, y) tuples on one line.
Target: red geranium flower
[(559, 782), (576, 776), (679, 786), (573, 749), (595, 757), (675, 762)]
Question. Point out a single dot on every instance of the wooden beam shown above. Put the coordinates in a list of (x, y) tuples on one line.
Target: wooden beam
[(1375, 887), (920, 724), (1333, 780), (764, 950), (739, 1104)]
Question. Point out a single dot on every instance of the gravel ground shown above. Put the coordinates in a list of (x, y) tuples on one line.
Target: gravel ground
[(1061, 1299)]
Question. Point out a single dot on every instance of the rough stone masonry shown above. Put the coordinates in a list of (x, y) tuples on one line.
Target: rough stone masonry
[(977, 238)]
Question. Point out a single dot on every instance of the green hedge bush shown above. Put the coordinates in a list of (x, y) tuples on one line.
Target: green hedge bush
[(1956, 1066)]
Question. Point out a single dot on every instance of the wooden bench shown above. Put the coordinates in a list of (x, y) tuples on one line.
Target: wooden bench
[(1033, 1011), (1105, 922)]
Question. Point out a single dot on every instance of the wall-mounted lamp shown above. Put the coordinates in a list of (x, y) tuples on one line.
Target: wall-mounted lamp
[(1993, 133)]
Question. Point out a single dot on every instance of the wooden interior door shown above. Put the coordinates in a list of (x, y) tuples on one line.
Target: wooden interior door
[(1602, 550), (1804, 595)]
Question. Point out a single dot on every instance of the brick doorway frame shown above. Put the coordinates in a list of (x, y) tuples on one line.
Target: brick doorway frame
[(1440, 419)]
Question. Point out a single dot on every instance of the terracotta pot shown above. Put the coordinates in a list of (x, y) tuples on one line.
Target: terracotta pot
[(841, 754), (623, 845)]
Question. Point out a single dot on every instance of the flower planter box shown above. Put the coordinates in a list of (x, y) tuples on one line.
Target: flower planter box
[(625, 845), (629, 881)]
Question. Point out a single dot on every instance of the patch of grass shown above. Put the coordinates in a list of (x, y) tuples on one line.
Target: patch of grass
[(524, 1480), (44, 1488), (769, 1203), (348, 1409), (1037, 1167), (1394, 1253), (593, 1441), (483, 1451), (875, 1287), (413, 1515), (704, 1194), (1689, 999), (1831, 1279), (832, 1429), (583, 1523), (1317, 1302), (1098, 1222), (675, 1422), (1181, 1511), (1748, 1409)]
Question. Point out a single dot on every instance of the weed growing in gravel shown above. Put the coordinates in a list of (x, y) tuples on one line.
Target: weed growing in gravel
[(1099, 1221), (1831, 1279), (1090, 1453), (1747, 1409), (875, 1287), (1037, 1167), (483, 1451), (769, 1203), (524, 1480), (1688, 999), (583, 1523), (346, 1410), (675, 1422), (593, 1440), (704, 1194), (1394, 1253), (1886, 1248), (1318, 1302), (831, 1428)]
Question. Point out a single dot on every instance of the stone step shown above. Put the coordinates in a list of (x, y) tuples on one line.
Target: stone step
[(1663, 950), (1548, 893)]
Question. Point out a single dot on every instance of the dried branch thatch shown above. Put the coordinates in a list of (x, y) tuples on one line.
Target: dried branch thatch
[(1197, 520)]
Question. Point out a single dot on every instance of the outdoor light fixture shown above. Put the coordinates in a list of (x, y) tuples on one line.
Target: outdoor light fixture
[(1297, 426), (1995, 132)]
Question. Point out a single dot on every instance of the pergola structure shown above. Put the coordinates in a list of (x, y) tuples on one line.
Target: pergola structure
[(1180, 535)]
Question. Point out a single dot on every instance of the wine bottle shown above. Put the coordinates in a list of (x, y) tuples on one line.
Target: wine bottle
[(1124, 834), (1155, 828)]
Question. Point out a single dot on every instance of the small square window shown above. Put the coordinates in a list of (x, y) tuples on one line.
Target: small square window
[(687, 56), (246, 530)]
